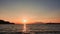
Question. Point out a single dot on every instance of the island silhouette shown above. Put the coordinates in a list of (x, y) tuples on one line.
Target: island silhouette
[(5, 22)]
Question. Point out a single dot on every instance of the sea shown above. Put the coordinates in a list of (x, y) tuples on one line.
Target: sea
[(30, 29)]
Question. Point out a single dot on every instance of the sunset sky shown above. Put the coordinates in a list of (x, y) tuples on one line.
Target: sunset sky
[(31, 10)]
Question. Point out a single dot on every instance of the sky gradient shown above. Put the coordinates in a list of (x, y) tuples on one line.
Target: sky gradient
[(31, 10)]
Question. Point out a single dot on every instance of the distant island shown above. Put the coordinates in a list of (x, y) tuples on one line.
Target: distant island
[(5, 22)]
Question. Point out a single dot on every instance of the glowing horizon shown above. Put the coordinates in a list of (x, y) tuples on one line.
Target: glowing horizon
[(33, 10)]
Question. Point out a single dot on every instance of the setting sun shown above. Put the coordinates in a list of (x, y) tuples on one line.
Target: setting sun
[(24, 21)]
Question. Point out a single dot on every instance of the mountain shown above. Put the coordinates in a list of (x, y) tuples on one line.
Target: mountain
[(5, 22)]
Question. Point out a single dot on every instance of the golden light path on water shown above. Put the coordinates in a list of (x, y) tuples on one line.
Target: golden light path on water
[(24, 23)]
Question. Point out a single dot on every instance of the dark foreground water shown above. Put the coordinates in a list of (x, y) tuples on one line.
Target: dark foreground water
[(31, 29), (54, 32)]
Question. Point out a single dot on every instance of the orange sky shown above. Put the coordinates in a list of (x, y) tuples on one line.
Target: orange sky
[(32, 11), (31, 20)]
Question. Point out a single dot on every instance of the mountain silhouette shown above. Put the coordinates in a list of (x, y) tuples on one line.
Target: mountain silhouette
[(5, 22)]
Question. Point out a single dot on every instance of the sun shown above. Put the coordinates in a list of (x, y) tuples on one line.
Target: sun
[(24, 21)]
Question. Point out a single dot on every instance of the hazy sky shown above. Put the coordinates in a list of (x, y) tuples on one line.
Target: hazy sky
[(32, 10)]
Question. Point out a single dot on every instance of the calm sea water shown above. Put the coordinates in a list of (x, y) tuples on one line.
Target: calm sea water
[(35, 28)]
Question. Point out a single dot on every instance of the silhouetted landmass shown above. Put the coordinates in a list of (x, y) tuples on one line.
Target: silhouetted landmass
[(52, 23), (5, 22), (45, 23)]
